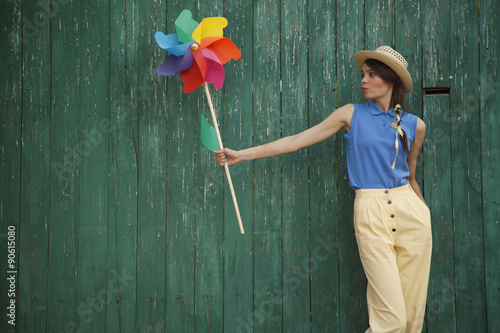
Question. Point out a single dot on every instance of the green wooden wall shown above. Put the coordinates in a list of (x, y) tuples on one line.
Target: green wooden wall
[(118, 220)]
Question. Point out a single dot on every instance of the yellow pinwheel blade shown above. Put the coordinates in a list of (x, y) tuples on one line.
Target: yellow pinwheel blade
[(209, 27)]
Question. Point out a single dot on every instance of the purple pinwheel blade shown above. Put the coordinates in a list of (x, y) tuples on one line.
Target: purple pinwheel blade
[(186, 62), (174, 65)]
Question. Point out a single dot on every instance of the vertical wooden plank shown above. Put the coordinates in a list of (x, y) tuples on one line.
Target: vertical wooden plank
[(407, 41), (379, 28), (238, 251), (324, 266), (268, 287), (437, 176), (435, 43), (295, 191), (466, 175), (35, 174), (181, 199), (93, 148), (490, 155), (11, 40), (125, 90), (66, 159), (151, 270), (209, 295), (352, 280)]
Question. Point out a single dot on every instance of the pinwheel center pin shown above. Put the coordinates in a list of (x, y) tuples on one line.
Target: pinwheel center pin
[(194, 46)]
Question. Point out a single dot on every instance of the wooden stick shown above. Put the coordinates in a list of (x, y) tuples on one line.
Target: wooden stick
[(230, 182)]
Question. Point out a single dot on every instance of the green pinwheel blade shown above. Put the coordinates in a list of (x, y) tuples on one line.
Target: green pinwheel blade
[(184, 26), (208, 135)]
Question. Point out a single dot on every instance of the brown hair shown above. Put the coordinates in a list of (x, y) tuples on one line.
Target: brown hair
[(398, 95)]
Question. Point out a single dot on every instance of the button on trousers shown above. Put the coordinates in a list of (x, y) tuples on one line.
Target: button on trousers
[(393, 232)]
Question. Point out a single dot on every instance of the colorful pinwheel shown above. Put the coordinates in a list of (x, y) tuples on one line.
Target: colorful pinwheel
[(198, 51)]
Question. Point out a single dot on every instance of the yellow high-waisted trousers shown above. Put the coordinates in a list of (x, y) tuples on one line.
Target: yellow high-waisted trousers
[(393, 231)]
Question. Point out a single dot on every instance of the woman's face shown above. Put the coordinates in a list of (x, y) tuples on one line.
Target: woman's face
[(372, 85)]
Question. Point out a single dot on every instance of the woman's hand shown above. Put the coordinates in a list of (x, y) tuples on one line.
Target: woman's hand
[(228, 156)]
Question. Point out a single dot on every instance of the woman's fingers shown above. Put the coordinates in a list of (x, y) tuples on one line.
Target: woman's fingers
[(227, 156), (221, 157), (222, 160)]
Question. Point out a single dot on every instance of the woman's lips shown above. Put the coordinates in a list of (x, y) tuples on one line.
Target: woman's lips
[(364, 89)]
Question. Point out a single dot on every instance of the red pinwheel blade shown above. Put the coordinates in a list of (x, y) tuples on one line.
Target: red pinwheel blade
[(192, 78), (199, 58)]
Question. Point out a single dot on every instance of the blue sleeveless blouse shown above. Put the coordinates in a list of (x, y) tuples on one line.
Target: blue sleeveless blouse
[(370, 147)]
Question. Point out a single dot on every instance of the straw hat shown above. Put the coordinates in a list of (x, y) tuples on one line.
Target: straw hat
[(391, 58)]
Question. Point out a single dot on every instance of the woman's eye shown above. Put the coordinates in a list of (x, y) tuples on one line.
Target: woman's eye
[(369, 74)]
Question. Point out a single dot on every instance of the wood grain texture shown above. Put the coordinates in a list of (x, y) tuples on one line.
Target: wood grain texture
[(268, 287), (35, 174), (65, 159), (490, 155), (407, 37), (11, 42), (295, 175), (209, 279), (436, 43), (152, 177), (237, 125), (352, 280), (379, 24), (441, 312), (181, 197), (125, 91), (466, 168), (93, 147), (324, 265)]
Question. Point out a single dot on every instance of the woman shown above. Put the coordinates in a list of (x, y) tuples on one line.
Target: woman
[(391, 219)]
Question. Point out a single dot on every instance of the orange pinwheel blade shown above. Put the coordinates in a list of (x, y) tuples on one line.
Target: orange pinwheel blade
[(223, 48)]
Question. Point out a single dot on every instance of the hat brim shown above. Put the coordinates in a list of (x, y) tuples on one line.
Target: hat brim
[(361, 56)]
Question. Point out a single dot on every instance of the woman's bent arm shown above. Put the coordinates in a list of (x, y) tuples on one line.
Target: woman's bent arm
[(339, 119), (413, 155)]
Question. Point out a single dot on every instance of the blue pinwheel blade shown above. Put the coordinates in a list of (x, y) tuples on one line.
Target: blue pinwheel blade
[(180, 50), (166, 41), (171, 43)]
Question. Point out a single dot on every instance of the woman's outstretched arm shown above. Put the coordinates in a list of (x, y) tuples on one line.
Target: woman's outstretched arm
[(337, 120)]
